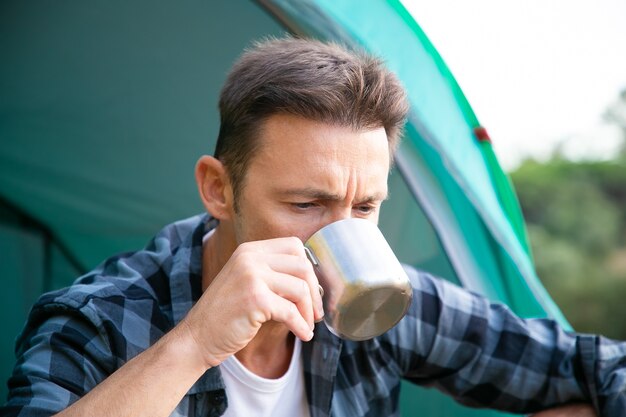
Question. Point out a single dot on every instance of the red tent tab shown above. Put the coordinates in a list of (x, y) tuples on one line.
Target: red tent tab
[(481, 134)]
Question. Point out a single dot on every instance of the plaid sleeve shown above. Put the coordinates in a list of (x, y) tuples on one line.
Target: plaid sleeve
[(58, 362), (483, 355)]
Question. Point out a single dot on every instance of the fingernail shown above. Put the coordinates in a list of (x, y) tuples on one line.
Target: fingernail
[(321, 290), (320, 303)]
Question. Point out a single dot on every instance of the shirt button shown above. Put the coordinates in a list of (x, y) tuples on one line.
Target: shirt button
[(199, 396)]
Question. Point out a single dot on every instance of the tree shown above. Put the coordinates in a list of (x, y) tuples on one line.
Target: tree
[(576, 217)]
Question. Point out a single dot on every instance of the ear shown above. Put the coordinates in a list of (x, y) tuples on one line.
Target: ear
[(214, 187)]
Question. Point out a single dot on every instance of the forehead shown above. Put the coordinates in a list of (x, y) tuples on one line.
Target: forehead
[(297, 153), (287, 139)]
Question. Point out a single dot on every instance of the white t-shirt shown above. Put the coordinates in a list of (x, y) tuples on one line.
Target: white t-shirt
[(251, 395)]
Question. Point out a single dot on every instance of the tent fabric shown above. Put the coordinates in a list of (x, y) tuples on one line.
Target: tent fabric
[(106, 107), (446, 123)]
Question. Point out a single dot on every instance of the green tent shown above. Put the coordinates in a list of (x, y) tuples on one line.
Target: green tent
[(105, 107)]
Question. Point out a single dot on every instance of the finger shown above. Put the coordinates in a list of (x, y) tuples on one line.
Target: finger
[(316, 292), (295, 290), (314, 288), (284, 245), (286, 312), (301, 268)]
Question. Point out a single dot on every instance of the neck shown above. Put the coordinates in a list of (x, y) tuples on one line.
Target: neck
[(216, 251), (269, 353)]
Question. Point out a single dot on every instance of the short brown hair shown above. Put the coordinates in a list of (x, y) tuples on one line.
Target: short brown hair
[(319, 81)]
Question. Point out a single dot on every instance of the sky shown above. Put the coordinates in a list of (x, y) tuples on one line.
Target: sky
[(538, 73)]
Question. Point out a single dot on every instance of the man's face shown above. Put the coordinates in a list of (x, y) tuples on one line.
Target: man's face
[(308, 174)]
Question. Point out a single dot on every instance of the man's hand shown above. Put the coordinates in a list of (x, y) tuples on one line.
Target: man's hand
[(574, 410), (270, 280)]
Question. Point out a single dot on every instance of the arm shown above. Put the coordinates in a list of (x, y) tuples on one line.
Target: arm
[(574, 410), (262, 281), (151, 384), (484, 356), (65, 357)]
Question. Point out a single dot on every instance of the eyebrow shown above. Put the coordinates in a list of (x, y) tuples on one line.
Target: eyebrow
[(318, 194)]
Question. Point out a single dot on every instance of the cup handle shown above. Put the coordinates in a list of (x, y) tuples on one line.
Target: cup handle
[(311, 257)]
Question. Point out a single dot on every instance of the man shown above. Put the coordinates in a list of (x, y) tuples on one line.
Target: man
[(218, 313)]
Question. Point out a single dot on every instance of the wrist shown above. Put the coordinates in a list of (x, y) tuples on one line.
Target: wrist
[(188, 345)]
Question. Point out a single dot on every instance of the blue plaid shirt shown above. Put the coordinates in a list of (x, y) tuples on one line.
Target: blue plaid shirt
[(477, 352)]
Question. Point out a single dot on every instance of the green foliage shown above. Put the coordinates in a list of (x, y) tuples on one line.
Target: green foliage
[(576, 217)]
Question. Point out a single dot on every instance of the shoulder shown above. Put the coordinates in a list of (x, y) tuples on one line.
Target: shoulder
[(128, 297), (114, 307)]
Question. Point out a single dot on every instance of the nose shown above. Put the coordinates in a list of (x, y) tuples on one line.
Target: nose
[(340, 213), (334, 215)]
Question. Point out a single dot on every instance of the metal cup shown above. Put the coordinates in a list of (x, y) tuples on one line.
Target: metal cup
[(365, 289)]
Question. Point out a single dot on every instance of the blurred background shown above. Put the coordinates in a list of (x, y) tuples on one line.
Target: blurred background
[(548, 80), (96, 95)]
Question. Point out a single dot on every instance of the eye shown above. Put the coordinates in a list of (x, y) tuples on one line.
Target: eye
[(303, 206), (364, 209)]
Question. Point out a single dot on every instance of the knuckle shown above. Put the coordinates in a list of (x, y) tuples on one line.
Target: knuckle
[(309, 272), (256, 297), (245, 248), (305, 289), (296, 243), (292, 312), (247, 281), (257, 291), (239, 250), (246, 260)]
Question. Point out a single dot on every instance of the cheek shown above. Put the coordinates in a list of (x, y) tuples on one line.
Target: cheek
[(300, 229), (261, 220), (287, 224), (270, 226)]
